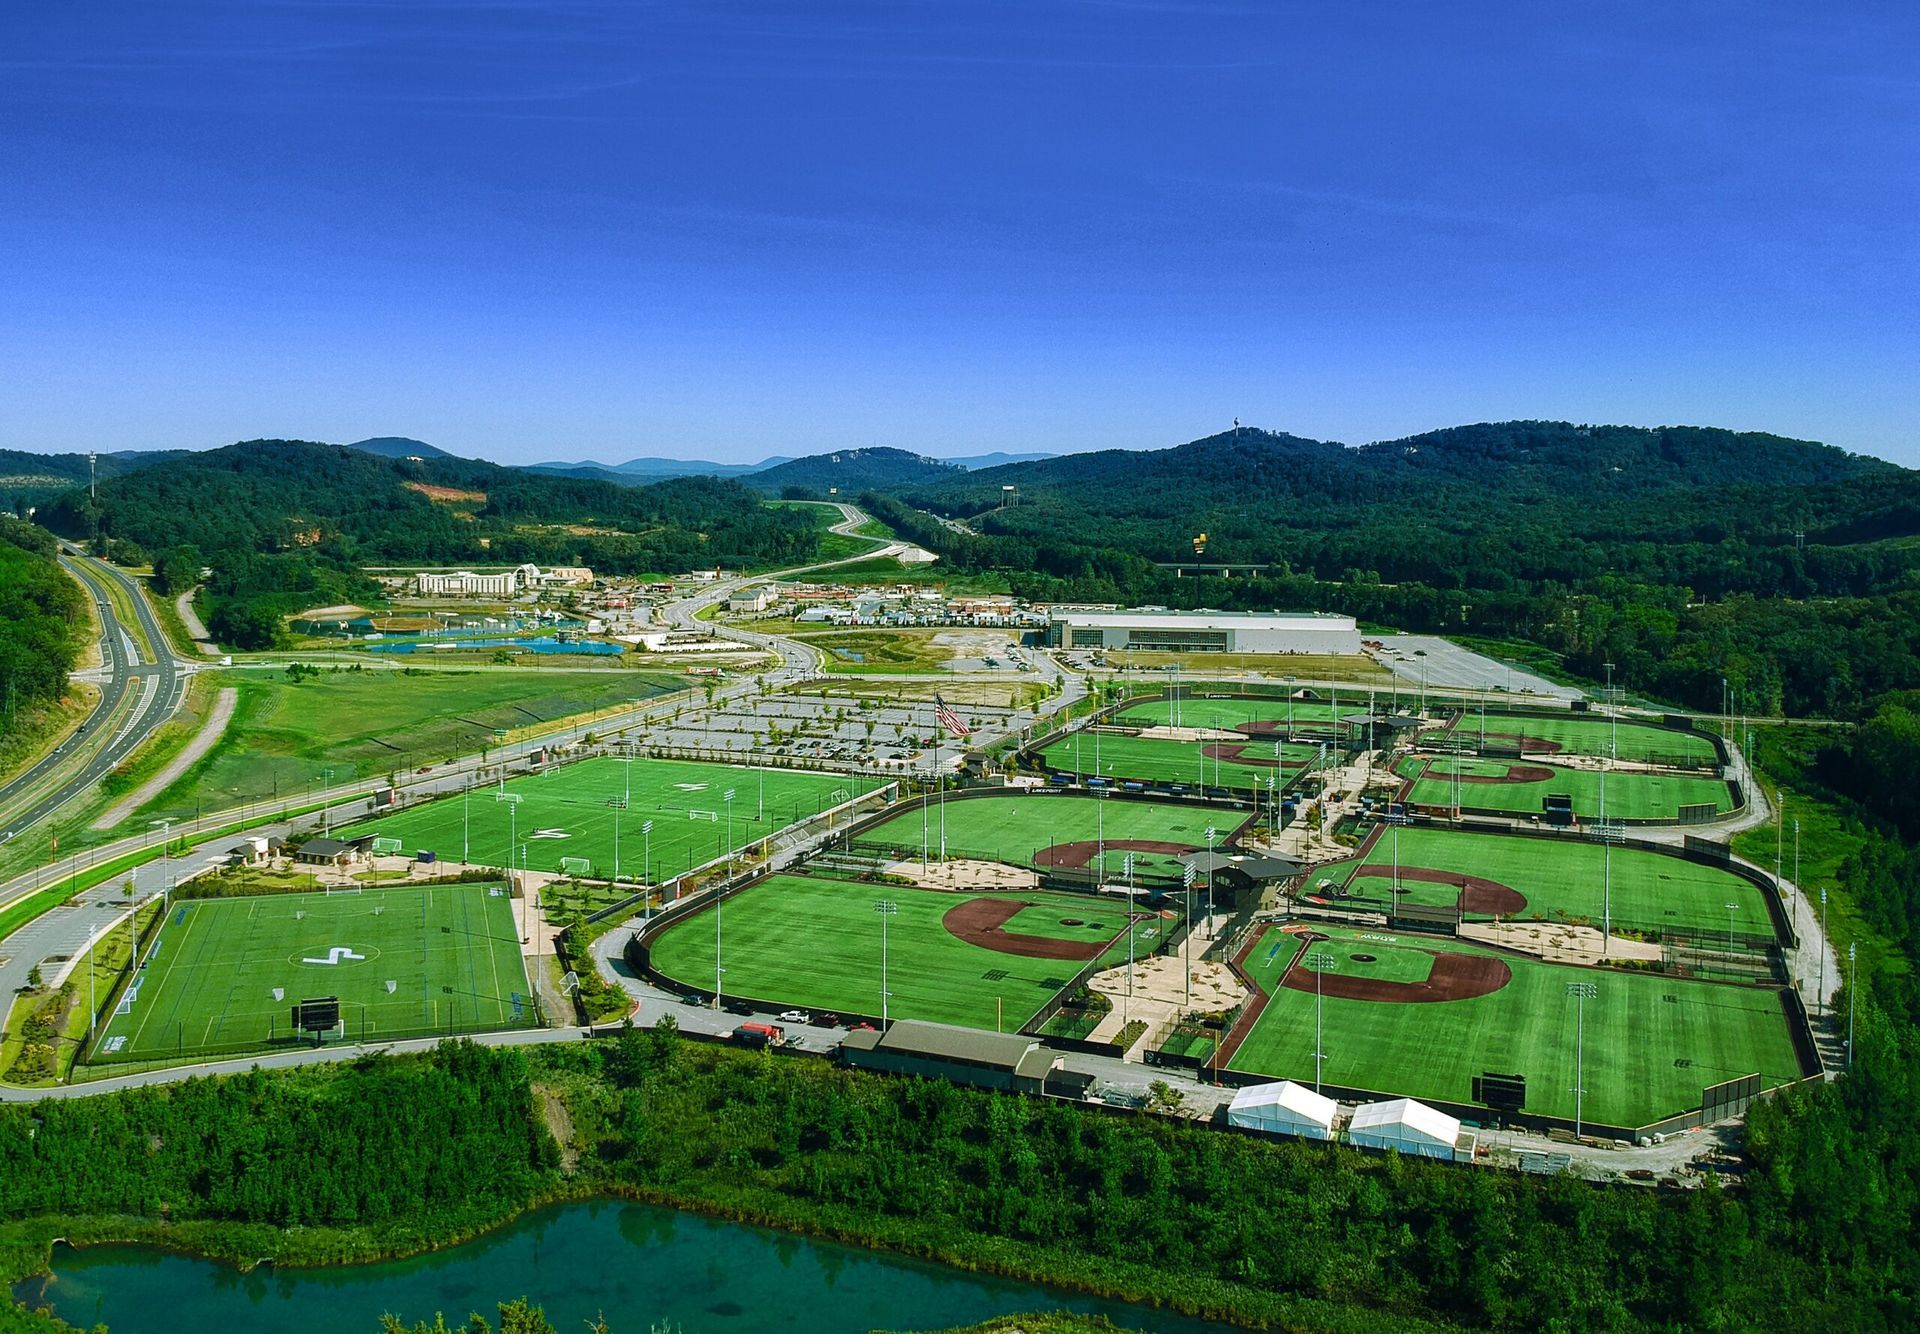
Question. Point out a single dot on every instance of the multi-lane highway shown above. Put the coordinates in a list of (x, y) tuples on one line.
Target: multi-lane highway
[(142, 685)]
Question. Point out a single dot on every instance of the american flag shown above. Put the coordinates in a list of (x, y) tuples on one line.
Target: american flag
[(949, 719)]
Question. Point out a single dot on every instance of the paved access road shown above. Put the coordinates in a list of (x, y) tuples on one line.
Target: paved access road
[(141, 687)]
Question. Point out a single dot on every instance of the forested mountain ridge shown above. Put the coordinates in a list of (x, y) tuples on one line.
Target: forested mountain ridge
[(287, 524), (853, 470), (1685, 555), (42, 621)]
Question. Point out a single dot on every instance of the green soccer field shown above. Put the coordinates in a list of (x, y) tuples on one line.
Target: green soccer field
[(1562, 880), (1232, 714), (1637, 795), (1652, 1043), (575, 811), (1641, 742), (1018, 829), (405, 962), (1244, 765), (815, 943)]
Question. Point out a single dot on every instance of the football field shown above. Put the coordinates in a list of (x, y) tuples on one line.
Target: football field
[(1047, 828), (1554, 879), (405, 962), (594, 809), (1518, 787), (1248, 764), (974, 959), (1423, 1015)]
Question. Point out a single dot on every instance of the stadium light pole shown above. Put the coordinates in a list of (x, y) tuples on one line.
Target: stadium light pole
[(646, 867), (1731, 907), (616, 846), (886, 908), (1126, 1005), (1211, 835), (727, 798), (1613, 713), (1850, 990), (1319, 963), (1820, 1001), (326, 810), (1581, 992), (464, 804)]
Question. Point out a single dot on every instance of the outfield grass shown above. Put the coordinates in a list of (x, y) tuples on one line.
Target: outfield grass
[(1153, 760), (1631, 795), (574, 811), (451, 952), (1562, 880), (1017, 828), (362, 724), (815, 943), (1646, 1056), (1641, 742), (1291, 716)]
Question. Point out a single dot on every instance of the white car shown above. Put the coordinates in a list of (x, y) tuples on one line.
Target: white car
[(795, 1017)]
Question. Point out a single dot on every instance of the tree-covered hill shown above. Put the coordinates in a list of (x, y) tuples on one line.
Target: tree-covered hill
[(853, 471), (42, 621), (1685, 555), (286, 524)]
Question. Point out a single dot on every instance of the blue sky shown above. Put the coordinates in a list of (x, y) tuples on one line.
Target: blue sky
[(585, 230)]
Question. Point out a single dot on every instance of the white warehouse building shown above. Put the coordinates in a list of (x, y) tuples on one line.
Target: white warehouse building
[(1165, 631)]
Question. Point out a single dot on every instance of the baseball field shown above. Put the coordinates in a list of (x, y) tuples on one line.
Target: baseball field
[(1422, 1016), (1240, 714), (1519, 787), (1248, 764), (977, 959), (1636, 741), (404, 962), (1553, 879), (581, 810), (1047, 829)]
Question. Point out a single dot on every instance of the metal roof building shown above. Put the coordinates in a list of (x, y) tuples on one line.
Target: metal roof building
[(1007, 1061), (1205, 631)]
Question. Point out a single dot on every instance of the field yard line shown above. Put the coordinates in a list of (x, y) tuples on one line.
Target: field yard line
[(140, 1028), (203, 741)]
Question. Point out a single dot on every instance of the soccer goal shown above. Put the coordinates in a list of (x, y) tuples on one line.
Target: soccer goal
[(575, 866), (344, 889), (385, 846), (713, 816)]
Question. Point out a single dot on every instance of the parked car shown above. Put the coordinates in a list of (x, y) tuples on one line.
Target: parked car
[(827, 1020), (795, 1017), (738, 1007)]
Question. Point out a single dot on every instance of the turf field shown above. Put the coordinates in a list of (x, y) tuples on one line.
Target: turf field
[(573, 811), (1560, 881), (1245, 765), (1264, 715), (1652, 1043), (285, 735), (1027, 829), (815, 943), (1637, 795), (1544, 737), (405, 962)]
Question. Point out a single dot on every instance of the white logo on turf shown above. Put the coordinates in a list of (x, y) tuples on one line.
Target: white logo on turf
[(336, 954)]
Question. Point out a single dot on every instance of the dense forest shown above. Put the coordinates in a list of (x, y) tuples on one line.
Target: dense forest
[(1682, 555), (42, 620), (392, 1153), (283, 525)]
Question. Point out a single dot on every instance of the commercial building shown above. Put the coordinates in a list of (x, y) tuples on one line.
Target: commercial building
[(1163, 631), (499, 583)]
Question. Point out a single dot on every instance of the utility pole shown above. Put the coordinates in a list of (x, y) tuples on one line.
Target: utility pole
[(1581, 992)]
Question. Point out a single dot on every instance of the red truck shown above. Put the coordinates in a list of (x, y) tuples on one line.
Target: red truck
[(760, 1035)]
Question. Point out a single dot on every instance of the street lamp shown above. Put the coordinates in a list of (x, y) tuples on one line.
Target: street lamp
[(1581, 993), (886, 908), (1318, 963)]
